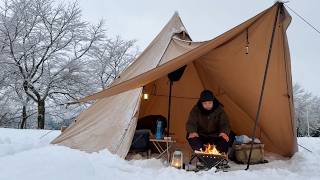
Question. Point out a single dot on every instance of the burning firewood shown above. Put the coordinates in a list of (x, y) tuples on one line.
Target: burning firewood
[(209, 149)]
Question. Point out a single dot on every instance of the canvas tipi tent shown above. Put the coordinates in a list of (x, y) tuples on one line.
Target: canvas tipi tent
[(233, 66)]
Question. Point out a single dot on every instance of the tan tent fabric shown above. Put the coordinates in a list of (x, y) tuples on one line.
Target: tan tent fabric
[(152, 55), (221, 65), (105, 125), (236, 79)]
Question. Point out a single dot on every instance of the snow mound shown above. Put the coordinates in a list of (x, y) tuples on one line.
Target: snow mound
[(28, 154)]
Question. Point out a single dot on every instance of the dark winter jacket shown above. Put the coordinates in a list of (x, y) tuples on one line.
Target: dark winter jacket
[(207, 122)]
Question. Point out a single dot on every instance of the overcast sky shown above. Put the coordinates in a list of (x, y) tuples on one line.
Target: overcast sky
[(205, 19)]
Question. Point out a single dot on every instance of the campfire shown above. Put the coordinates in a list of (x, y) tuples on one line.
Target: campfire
[(210, 156), (209, 149)]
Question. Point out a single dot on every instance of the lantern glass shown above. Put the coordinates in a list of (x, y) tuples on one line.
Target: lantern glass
[(177, 159), (145, 96)]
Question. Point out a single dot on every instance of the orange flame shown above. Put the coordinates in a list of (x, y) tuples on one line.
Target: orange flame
[(210, 149)]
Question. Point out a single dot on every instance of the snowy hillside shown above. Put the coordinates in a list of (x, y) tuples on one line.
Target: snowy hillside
[(27, 155)]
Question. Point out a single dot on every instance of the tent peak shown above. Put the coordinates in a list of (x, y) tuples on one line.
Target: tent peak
[(280, 1), (176, 13), (176, 18)]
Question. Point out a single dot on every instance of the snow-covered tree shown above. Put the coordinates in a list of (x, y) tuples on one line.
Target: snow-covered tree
[(44, 45), (49, 56), (109, 59), (307, 111)]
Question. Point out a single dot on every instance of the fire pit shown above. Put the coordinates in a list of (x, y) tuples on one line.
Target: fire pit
[(210, 157)]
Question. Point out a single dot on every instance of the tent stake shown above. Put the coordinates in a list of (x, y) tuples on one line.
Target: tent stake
[(263, 86)]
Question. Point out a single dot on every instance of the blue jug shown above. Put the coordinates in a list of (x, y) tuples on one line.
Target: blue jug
[(159, 130)]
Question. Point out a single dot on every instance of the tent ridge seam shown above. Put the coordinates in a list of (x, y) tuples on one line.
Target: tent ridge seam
[(162, 55)]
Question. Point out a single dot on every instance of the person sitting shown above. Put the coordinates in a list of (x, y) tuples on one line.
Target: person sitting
[(208, 124)]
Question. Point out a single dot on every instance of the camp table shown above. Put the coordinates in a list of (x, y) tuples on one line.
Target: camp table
[(157, 143)]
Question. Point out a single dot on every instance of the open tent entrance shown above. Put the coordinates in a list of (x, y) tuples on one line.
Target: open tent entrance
[(185, 93)]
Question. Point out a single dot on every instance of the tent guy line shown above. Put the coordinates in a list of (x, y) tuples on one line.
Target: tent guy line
[(303, 19)]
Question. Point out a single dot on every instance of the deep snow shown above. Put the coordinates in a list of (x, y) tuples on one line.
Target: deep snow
[(28, 155)]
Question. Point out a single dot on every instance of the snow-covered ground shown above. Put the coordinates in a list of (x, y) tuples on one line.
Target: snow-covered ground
[(27, 155)]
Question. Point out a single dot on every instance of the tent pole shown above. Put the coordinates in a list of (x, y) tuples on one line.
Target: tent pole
[(169, 107), (263, 86)]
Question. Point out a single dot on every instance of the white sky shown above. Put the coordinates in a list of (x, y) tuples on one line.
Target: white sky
[(205, 19)]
